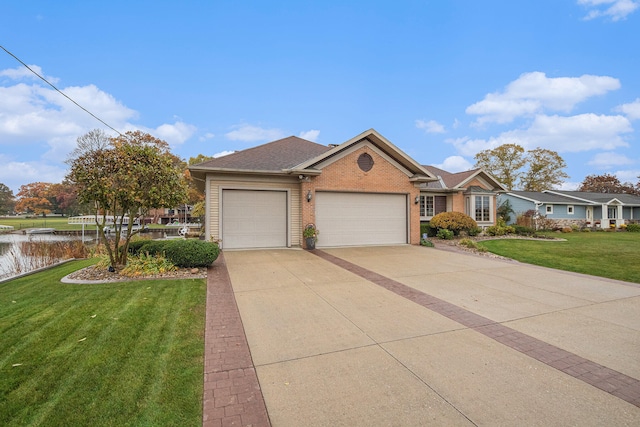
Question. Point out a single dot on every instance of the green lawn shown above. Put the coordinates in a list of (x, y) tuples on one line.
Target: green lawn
[(101, 355), (58, 223), (605, 254)]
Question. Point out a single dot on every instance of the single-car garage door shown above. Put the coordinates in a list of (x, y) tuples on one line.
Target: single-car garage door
[(254, 219), (346, 219)]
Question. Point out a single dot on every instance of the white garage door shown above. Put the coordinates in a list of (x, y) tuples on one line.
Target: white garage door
[(254, 219), (346, 219)]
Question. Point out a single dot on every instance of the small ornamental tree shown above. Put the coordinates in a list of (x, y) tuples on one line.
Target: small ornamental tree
[(122, 178), (453, 221)]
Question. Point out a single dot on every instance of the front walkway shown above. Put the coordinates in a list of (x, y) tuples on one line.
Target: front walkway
[(410, 335)]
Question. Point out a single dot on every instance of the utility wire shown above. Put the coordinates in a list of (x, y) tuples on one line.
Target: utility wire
[(62, 93)]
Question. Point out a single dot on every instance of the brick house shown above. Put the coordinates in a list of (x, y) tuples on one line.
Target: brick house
[(473, 192), (365, 191)]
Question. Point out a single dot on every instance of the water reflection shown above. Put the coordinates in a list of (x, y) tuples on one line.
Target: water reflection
[(14, 249), (14, 261)]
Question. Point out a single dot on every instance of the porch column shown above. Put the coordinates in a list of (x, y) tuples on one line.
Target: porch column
[(619, 217), (604, 222)]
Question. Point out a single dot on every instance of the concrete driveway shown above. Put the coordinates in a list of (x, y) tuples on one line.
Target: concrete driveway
[(414, 336)]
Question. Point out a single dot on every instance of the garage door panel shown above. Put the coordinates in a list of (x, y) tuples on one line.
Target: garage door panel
[(346, 219), (254, 219)]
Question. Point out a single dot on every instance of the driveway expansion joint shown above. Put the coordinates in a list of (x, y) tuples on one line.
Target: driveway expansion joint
[(613, 382)]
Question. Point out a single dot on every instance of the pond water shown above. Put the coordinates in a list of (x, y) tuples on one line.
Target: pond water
[(13, 261)]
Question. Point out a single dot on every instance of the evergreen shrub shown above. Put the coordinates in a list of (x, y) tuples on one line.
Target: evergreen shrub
[(188, 253), (635, 228)]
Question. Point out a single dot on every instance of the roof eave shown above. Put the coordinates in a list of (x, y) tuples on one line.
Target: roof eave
[(421, 178), (237, 171), (382, 143)]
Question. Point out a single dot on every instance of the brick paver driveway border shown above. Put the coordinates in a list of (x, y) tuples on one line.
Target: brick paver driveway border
[(232, 395)]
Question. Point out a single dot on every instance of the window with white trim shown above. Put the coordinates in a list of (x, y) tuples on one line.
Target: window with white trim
[(483, 209), (570, 210), (612, 212), (426, 205), (549, 209)]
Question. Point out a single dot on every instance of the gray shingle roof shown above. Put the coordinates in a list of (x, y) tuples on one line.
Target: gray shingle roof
[(275, 156), (545, 197), (627, 199), (577, 197), (450, 179)]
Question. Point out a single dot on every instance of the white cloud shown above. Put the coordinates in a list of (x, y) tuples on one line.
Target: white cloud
[(249, 133), (613, 9), (21, 72), (310, 135), (223, 153), (430, 127), (534, 93), (206, 136), (14, 174), (455, 164), (609, 159), (631, 175), (37, 121), (569, 186), (175, 134), (577, 133), (632, 110)]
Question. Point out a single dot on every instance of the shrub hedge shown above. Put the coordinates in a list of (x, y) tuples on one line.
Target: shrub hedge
[(634, 228), (425, 227), (191, 253), (185, 253)]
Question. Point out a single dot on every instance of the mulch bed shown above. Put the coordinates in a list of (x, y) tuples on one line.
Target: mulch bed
[(94, 274)]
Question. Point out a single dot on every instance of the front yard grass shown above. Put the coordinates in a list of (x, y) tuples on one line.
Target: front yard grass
[(112, 354), (615, 255)]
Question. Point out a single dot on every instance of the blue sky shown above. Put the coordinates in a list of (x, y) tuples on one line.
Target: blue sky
[(442, 80)]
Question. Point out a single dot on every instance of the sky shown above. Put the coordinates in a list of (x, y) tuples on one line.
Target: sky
[(441, 80)]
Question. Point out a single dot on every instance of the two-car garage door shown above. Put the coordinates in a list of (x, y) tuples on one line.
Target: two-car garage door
[(353, 219), (259, 219)]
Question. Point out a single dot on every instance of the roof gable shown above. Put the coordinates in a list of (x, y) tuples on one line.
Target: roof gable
[(459, 180), (380, 143)]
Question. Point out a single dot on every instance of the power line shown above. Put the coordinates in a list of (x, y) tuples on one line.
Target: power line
[(62, 93)]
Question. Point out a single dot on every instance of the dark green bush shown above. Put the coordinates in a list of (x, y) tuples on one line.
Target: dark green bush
[(453, 221), (153, 247), (522, 230), (134, 246), (445, 234), (425, 227), (634, 228), (474, 231), (191, 253)]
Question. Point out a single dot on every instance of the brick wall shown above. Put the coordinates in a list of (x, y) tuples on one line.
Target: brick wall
[(345, 175)]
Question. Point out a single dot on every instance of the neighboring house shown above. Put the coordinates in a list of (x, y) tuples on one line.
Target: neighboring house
[(365, 191), (472, 192), (566, 208)]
